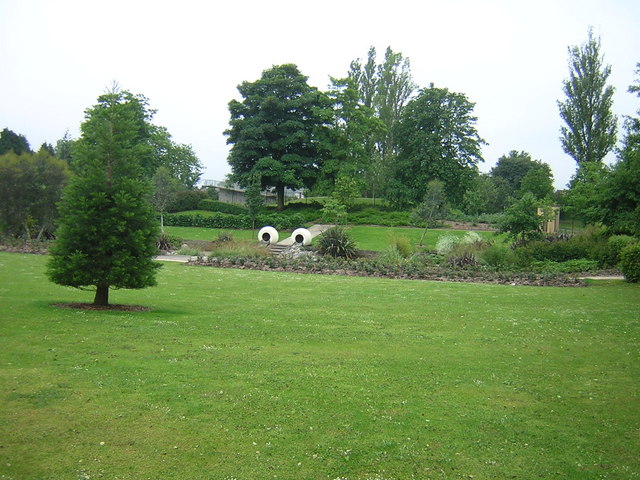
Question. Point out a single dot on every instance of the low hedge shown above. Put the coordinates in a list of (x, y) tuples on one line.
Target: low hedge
[(233, 222), (211, 205)]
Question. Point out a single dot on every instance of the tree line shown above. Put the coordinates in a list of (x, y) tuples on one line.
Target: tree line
[(377, 130), (31, 183)]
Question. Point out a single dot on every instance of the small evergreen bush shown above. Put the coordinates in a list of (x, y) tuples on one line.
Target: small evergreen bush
[(336, 242), (616, 244), (630, 262)]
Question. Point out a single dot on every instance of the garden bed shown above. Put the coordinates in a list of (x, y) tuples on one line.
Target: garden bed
[(365, 267)]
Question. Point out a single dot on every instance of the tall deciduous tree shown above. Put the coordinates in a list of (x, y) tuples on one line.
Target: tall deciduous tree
[(386, 88), (621, 187), (63, 148), (11, 141), (179, 159), (352, 127), (590, 131), (107, 235), (30, 186), (165, 191), (538, 181), (513, 167), (275, 130), (437, 140)]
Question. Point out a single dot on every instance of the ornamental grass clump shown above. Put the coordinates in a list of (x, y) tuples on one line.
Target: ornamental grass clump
[(336, 242)]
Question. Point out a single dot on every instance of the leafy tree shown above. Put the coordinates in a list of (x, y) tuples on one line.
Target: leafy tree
[(334, 211), (107, 235), (513, 167), (538, 181), (437, 139), (47, 148), (179, 159), (590, 131), (254, 198), (392, 94), (521, 220), (346, 191), (487, 194), (11, 141), (620, 192), (276, 130), (165, 192), (348, 138), (433, 206), (385, 88), (584, 198), (30, 187), (63, 148)]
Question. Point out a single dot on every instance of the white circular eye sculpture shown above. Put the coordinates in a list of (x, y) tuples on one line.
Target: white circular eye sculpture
[(301, 236), (268, 235)]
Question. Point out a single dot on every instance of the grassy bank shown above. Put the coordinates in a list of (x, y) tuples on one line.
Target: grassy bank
[(246, 375)]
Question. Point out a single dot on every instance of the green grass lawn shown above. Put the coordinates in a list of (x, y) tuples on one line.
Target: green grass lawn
[(379, 238), (210, 234), (365, 237), (236, 374)]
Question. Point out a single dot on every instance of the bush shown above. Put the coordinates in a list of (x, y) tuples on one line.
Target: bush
[(630, 262), (498, 257), (336, 242), (233, 222), (615, 245), (167, 242), (187, 200), (570, 266), (590, 245), (211, 205)]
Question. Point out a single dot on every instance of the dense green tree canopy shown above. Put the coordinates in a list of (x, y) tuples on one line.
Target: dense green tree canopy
[(107, 234), (621, 187), (179, 159), (437, 140), (352, 128), (30, 186), (590, 131), (12, 142), (277, 130), (538, 181), (513, 167)]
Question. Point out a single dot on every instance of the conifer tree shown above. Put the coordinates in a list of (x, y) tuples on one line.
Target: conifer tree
[(107, 233)]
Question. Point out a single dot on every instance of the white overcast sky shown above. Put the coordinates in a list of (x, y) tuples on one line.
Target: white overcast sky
[(187, 58)]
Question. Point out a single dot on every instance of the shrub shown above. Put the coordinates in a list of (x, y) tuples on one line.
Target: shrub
[(211, 205), (167, 242), (615, 245), (336, 242), (499, 257), (187, 200), (570, 266), (233, 222), (446, 243), (630, 262)]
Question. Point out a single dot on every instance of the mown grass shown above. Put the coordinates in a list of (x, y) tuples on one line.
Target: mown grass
[(366, 237), (246, 375), (379, 238)]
